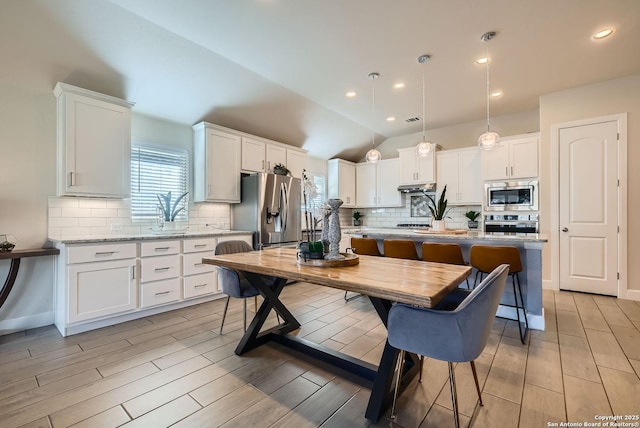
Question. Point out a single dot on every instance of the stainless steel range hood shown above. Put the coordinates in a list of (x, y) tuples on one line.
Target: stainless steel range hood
[(417, 188)]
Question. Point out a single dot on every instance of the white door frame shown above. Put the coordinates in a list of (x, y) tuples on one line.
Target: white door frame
[(623, 291)]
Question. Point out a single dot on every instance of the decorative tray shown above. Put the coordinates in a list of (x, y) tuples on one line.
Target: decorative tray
[(349, 260), (441, 232)]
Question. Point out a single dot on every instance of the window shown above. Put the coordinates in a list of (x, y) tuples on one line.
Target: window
[(156, 170)]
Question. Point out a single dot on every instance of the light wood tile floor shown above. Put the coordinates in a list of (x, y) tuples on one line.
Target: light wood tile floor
[(174, 369)]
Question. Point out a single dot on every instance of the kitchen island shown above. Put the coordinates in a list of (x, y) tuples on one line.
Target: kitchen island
[(529, 245)]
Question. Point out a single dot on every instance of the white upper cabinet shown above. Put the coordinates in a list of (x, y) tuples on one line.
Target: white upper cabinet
[(216, 156), (253, 155), (377, 184), (460, 171), (296, 162), (94, 143), (513, 158), (341, 181), (262, 156), (416, 170)]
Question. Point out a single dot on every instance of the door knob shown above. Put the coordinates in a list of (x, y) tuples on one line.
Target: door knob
[(564, 229)]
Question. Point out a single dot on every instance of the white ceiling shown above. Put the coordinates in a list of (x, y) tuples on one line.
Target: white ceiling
[(280, 68)]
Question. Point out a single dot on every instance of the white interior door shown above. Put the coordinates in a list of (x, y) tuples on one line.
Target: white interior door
[(589, 208)]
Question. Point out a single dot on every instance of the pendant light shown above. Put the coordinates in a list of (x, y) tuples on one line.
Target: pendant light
[(424, 147), (373, 155), (489, 139)]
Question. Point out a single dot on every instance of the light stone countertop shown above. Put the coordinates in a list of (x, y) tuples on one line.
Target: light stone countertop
[(146, 236), (409, 233)]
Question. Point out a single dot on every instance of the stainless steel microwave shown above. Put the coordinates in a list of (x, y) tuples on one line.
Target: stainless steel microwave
[(511, 196)]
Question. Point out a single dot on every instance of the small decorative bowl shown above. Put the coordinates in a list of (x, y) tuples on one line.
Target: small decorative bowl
[(7, 243)]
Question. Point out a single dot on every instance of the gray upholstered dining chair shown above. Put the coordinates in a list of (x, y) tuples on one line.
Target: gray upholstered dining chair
[(233, 283), (456, 330)]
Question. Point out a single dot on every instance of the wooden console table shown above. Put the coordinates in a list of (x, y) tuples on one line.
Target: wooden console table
[(15, 257)]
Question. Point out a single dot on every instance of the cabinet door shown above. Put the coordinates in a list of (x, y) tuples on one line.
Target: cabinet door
[(223, 167), (524, 158), (253, 153), (366, 185), (347, 184), (95, 146), (448, 175), (100, 289), (275, 154), (408, 163), (425, 172), (495, 163), (296, 162), (387, 179), (470, 176)]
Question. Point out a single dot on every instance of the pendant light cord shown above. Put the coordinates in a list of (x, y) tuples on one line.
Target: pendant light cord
[(488, 91), (424, 119)]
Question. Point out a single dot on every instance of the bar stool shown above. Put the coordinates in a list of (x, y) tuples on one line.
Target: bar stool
[(486, 258), (400, 249), (366, 247), (449, 253)]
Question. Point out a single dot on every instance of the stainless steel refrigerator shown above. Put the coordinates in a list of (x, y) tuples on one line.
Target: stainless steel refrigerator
[(270, 207)]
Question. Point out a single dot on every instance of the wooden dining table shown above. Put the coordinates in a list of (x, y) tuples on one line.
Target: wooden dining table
[(384, 280)]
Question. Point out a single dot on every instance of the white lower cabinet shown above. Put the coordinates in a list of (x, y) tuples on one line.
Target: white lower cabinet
[(101, 284), (101, 288)]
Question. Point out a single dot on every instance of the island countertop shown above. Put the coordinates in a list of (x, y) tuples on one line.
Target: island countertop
[(469, 236)]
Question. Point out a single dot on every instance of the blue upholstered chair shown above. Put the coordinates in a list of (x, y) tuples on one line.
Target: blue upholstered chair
[(233, 284), (456, 330)]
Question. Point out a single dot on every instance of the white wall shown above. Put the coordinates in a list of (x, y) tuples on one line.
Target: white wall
[(464, 134), (600, 99), (27, 177)]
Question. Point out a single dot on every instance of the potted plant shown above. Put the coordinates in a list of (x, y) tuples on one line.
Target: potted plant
[(169, 210), (356, 218), (438, 211), (281, 169), (472, 216)]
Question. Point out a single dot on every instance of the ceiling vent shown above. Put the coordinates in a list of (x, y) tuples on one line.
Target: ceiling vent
[(412, 119)]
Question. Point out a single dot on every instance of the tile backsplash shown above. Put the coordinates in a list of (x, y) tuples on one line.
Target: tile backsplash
[(69, 217), (390, 217)]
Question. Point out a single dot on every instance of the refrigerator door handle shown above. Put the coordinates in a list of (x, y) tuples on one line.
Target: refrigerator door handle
[(284, 207)]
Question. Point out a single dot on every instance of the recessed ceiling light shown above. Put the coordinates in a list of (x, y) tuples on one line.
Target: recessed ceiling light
[(602, 34), (391, 119), (350, 94), (398, 85), (482, 60), (496, 94)]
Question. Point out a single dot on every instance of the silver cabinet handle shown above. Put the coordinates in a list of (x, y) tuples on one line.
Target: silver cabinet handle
[(105, 253), (162, 269), (564, 229), (72, 179), (263, 165), (199, 285), (200, 245), (133, 272), (268, 165), (163, 293), (162, 248), (511, 170)]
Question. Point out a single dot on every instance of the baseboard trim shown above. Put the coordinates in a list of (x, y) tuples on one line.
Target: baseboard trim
[(547, 284), (632, 295), (536, 322), (13, 325), (67, 330)]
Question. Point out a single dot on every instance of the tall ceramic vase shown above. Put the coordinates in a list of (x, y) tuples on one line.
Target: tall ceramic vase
[(334, 231)]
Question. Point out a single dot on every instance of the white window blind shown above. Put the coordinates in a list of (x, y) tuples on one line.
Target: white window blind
[(157, 170)]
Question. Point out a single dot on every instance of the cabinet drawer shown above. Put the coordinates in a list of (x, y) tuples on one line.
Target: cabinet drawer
[(204, 244), (192, 264), (159, 248), (161, 267), (197, 285), (160, 292), (101, 252)]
